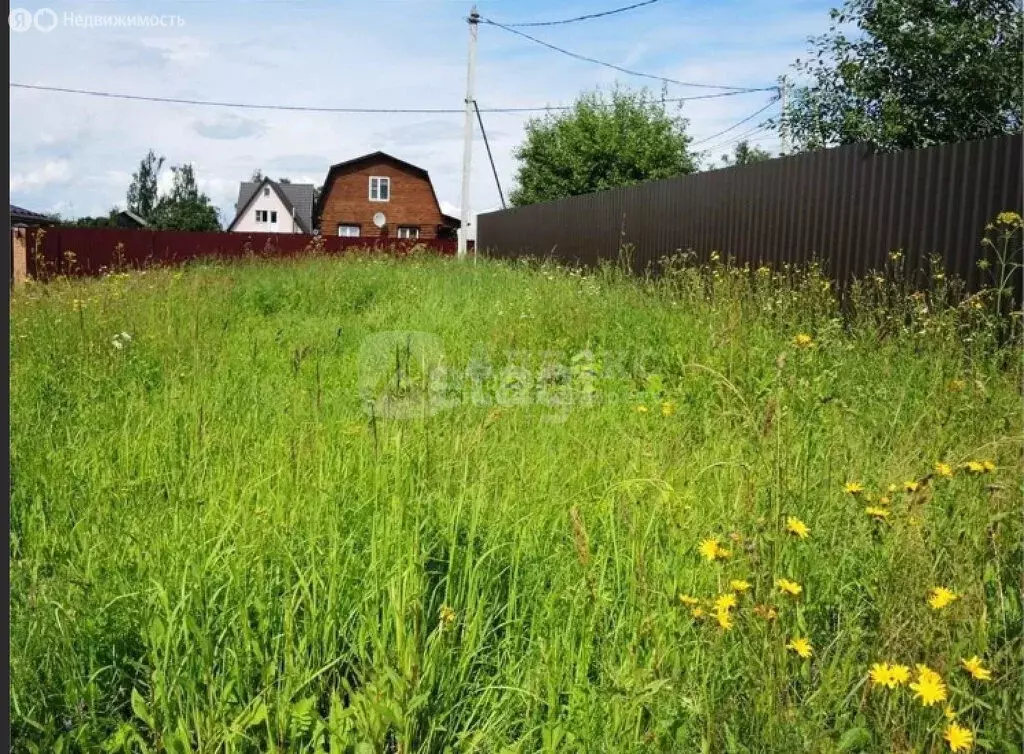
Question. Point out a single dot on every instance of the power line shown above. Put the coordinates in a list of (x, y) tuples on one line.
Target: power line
[(619, 68), (587, 17), (745, 136), (314, 109), (490, 157), (737, 124)]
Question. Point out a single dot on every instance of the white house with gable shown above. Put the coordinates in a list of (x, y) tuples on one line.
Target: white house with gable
[(270, 206)]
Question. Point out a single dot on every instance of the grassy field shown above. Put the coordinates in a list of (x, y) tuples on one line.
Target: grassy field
[(244, 520)]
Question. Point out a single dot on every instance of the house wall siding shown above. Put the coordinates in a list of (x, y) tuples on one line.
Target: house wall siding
[(412, 202), (285, 224)]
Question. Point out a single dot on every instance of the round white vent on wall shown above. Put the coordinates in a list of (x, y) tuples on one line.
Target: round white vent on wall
[(379, 220)]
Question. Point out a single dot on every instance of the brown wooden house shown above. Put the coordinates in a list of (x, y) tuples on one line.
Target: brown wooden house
[(380, 196)]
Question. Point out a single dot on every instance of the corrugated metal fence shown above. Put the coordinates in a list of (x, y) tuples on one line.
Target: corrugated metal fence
[(848, 207), (90, 251)]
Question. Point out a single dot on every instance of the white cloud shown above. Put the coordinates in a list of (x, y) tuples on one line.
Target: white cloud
[(49, 173)]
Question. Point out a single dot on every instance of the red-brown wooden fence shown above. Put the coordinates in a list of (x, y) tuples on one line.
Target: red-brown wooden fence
[(92, 251)]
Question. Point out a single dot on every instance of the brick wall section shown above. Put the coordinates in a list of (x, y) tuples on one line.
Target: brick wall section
[(412, 201)]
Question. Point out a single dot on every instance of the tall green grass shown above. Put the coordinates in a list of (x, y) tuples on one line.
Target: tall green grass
[(218, 543)]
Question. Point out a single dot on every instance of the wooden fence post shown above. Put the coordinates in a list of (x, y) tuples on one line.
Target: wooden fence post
[(19, 256)]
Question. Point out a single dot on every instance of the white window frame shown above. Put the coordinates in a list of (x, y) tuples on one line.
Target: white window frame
[(358, 233), (411, 232), (273, 216), (382, 180), (261, 216)]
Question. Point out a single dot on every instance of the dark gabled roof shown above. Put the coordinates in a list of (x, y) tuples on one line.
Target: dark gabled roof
[(135, 217), (373, 157), (297, 196), (20, 213)]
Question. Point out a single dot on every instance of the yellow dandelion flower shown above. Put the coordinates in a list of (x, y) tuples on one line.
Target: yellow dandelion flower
[(853, 488), (989, 465), (788, 587), (949, 713), (739, 585), (884, 500), (975, 467), (668, 408), (880, 675), (881, 514), (803, 340), (958, 738), (892, 488), (725, 602), (698, 612), (710, 549), (898, 675), (801, 646), (641, 409), (911, 486), (976, 669), (797, 527), (929, 688), (941, 597), (688, 600), (724, 619), (943, 469)]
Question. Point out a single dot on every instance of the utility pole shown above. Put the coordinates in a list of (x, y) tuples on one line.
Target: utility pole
[(467, 146), (783, 131)]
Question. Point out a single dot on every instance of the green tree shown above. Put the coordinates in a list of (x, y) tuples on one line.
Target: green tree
[(602, 142), (185, 207), (744, 154), (257, 176), (142, 191), (903, 74)]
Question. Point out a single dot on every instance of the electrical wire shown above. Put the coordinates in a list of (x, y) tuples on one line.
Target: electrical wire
[(745, 136), (298, 108), (490, 157), (737, 124), (619, 68), (587, 17)]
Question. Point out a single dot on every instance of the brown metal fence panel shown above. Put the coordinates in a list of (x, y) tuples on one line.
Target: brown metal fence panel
[(92, 251), (848, 207)]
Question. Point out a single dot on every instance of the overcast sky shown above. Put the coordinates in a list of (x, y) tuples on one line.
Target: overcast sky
[(74, 154)]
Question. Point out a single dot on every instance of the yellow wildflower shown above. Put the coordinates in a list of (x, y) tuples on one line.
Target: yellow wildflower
[(879, 674), (688, 600), (853, 488), (955, 386), (446, 616), (724, 619), (884, 500), (989, 465), (949, 713), (796, 526), (882, 514), (803, 340), (911, 486), (788, 587), (801, 646), (668, 408), (898, 675), (1008, 218), (943, 469), (959, 738), (739, 585), (711, 550), (975, 467), (941, 597), (976, 669), (725, 602), (929, 688), (698, 612), (641, 409)]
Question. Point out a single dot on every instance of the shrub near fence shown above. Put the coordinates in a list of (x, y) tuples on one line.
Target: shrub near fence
[(849, 207), (91, 251)]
